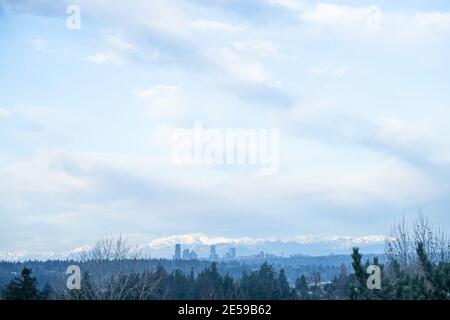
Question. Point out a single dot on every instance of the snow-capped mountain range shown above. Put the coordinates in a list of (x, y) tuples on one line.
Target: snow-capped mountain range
[(246, 246), (304, 244), (43, 256)]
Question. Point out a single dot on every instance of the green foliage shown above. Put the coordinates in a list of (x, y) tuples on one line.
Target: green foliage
[(415, 270), (209, 284), (260, 285), (46, 293), (23, 287), (427, 281), (301, 288)]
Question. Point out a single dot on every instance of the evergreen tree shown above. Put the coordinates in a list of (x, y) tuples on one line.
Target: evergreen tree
[(316, 290), (160, 280), (261, 284), (46, 292), (179, 286), (301, 287), (342, 283), (284, 291), (209, 284), (229, 288), (23, 287), (358, 289)]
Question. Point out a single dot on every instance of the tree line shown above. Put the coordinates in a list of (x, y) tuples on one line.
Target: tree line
[(417, 268)]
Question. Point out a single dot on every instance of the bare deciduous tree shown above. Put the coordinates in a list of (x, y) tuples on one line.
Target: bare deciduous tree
[(403, 241), (109, 273)]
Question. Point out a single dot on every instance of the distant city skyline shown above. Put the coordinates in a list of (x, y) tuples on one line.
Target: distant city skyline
[(192, 246)]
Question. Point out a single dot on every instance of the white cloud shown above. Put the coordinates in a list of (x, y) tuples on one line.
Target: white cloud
[(118, 41), (321, 70), (351, 20), (258, 47), (117, 54), (162, 100), (163, 16), (395, 132), (39, 44), (342, 70), (157, 90), (390, 180), (3, 113), (294, 5), (239, 68), (244, 62), (107, 57), (212, 25), (433, 21), (368, 17), (380, 180), (318, 70), (40, 174), (334, 15)]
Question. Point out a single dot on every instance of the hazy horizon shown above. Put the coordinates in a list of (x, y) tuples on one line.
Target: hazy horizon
[(201, 243)]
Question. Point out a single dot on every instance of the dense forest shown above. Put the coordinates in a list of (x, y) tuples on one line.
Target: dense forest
[(53, 271), (417, 266)]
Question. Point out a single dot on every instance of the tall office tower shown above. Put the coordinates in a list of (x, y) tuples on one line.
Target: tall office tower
[(189, 255), (177, 255), (213, 255), (233, 253), (186, 254), (230, 255)]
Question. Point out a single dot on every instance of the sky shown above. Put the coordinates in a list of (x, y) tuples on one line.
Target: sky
[(359, 91)]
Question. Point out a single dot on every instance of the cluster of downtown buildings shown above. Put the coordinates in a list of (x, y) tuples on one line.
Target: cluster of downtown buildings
[(192, 255)]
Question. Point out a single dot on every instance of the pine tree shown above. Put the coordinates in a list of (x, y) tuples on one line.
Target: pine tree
[(260, 285), (284, 291), (161, 280), (179, 286), (23, 287), (209, 284), (342, 283), (229, 288), (301, 286), (357, 288), (46, 292), (316, 290), (190, 284)]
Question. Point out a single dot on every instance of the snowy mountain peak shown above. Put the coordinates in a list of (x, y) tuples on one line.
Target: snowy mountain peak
[(202, 239), (164, 247)]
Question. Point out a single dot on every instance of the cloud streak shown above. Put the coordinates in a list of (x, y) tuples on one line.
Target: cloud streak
[(361, 102)]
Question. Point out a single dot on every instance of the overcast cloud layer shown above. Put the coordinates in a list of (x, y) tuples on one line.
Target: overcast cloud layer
[(363, 109)]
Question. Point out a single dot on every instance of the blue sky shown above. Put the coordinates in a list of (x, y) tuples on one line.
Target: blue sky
[(86, 115)]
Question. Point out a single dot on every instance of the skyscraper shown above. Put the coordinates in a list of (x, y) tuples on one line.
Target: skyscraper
[(186, 254), (233, 253), (177, 255), (213, 255), (189, 254), (193, 255)]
